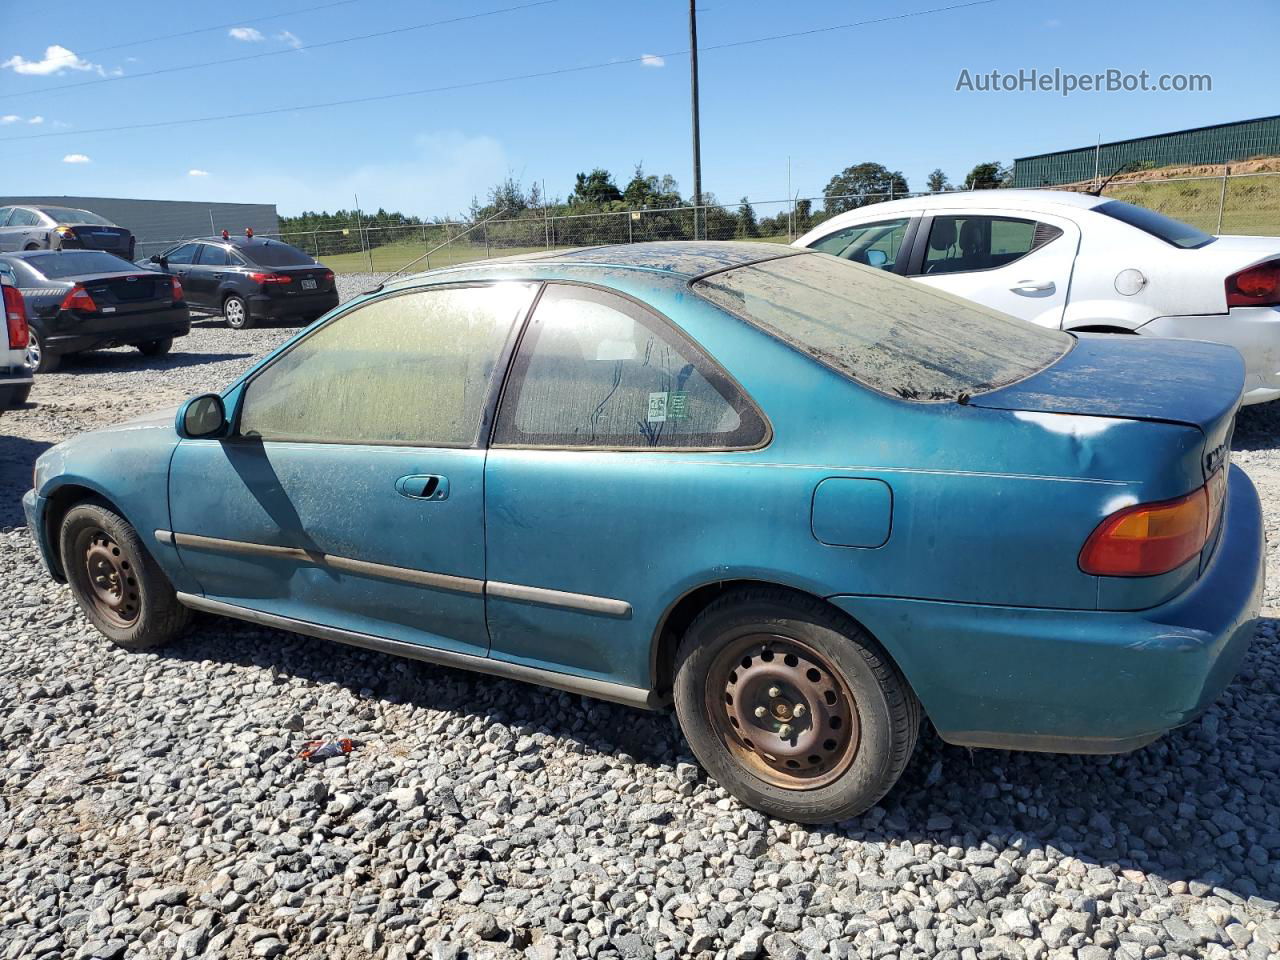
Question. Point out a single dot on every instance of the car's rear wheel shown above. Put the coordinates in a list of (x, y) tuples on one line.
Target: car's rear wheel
[(792, 707), (156, 348), (236, 312), (38, 358), (116, 582)]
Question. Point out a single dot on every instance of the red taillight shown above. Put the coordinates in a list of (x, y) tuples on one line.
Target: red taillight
[(78, 299), (271, 278), (1257, 286), (328, 276), (15, 319), (177, 290), (1154, 538)]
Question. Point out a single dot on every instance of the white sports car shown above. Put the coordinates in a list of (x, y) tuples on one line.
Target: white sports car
[(1079, 262)]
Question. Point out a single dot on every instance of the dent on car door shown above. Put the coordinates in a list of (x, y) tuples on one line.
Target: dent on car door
[(607, 477), (351, 493), (1017, 264)]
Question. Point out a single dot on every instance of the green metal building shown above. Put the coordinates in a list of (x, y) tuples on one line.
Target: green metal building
[(1219, 143)]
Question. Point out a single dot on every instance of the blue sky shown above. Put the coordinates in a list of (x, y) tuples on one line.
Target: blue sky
[(883, 92)]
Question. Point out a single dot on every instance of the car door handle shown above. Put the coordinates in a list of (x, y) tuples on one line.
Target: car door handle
[(217, 276), (1032, 286), (423, 487)]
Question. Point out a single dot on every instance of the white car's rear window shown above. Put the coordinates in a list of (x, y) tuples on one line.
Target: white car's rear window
[(894, 335)]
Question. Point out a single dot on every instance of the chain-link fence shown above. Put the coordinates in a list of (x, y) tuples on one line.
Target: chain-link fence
[(1236, 204)]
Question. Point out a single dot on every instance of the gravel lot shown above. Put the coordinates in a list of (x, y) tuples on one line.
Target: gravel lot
[(153, 804)]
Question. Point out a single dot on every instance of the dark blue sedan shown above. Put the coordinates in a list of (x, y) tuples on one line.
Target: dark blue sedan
[(809, 502)]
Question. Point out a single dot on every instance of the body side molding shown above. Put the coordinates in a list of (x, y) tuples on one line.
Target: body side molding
[(638, 697)]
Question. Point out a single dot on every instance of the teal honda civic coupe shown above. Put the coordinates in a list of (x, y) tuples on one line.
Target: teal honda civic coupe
[(806, 502)]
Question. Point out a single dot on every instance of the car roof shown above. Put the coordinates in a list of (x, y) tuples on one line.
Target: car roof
[(28, 254), (242, 242), (1002, 199), (680, 258)]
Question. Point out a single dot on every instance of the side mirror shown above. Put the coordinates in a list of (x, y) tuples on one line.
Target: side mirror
[(202, 417), (156, 258), (877, 258)]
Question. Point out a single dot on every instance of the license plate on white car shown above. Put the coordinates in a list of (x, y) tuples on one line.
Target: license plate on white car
[(308, 284)]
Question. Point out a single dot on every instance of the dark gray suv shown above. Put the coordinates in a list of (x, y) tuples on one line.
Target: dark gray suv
[(250, 278)]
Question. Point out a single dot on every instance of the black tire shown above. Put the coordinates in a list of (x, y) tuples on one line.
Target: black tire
[(41, 360), (156, 348), (32, 246), (236, 312), (756, 630), (133, 603), (132, 249)]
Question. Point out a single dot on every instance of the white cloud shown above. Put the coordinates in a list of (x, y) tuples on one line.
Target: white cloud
[(197, 173), (76, 158), (652, 60), (36, 119), (286, 36), (10, 118), (57, 58), (247, 34)]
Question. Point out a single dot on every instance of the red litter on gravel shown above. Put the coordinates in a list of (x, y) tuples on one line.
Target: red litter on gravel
[(317, 750)]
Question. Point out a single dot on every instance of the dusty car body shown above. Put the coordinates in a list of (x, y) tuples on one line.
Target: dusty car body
[(766, 483)]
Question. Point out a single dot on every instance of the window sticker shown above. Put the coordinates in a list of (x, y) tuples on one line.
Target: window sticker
[(658, 407), (678, 406)]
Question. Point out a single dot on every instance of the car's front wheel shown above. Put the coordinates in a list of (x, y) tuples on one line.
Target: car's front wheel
[(116, 582), (792, 707), (236, 312), (156, 348), (38, 358)]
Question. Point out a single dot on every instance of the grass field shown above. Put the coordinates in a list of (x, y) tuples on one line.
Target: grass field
[(1252, 203)]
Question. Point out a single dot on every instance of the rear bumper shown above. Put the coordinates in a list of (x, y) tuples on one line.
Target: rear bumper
[(15, 374), (1254, 331), (262, 307), (99, 332), (1081, 681)]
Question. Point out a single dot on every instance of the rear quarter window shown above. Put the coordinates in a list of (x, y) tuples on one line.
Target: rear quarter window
[(896, 336)]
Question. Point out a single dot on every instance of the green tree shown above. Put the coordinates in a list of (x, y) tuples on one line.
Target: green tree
[(938, 181), (987, 176), (594, 189), (648, 190), (862, 184), (747, 225)]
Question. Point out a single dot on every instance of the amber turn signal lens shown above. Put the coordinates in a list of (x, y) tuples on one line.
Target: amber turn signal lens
[(1149, 538)]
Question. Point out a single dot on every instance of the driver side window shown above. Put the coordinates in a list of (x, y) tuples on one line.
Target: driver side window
[(183, 254), (413, 369), (872, 244)]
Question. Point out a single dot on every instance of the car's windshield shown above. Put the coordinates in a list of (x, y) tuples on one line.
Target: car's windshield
[(894, 335), (276, 254), (1164, 228), (58, 265), (71, 215)]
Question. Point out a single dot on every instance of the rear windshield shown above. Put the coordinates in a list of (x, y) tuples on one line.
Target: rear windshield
[(276, 255), (70, 215), (1169, 230), (59, 265), (896, 336)]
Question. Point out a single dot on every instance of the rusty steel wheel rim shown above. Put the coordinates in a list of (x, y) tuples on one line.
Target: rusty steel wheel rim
[(113, 581), (783, 711)]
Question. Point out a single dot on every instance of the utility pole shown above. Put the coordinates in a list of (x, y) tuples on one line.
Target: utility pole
[(693, 92)]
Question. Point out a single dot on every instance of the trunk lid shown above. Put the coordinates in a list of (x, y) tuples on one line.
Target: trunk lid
[(1138, 378), (93, 237), (124, 293), (302, 279)]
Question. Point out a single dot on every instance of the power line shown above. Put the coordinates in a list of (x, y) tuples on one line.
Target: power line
[(299, 48), (541, 74), (209, 29)]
